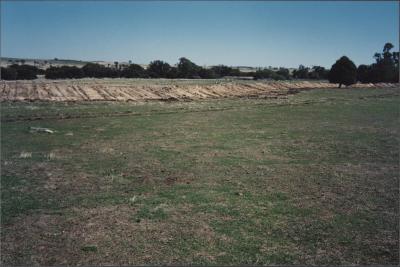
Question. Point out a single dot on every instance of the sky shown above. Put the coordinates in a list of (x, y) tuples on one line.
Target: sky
[(240, 33)]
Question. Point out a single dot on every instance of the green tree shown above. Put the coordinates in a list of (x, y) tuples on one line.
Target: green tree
[(284, 73), (222, 70), (207, 73), (343, 72), (134, 71), (301, 72), (187, 69), (64, 72), (386, 67), (173, 73), (159, 69), (318, 73), (263, 74)]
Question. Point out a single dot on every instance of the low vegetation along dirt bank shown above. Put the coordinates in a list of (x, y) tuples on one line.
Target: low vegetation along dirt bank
[(139, 90)]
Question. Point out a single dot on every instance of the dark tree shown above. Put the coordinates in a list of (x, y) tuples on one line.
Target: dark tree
[(25, 72), (386, 67), (277, 77), (134, 71), (268, 74), (207, 74), (8, 74), (364, 74), (343, 72), (187, 69), (173, 73), (318, 73), (158, 69), (235, 72), (94, 70), (301, 73), (263, 74), (64, 72), (222, 70), (387, 47), (396, 57), (378, 57), (283, 72)]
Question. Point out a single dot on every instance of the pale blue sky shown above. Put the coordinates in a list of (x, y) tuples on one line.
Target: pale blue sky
[(214, 32)]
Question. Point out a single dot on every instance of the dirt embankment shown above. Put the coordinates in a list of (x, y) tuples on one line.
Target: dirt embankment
[(97, 90)]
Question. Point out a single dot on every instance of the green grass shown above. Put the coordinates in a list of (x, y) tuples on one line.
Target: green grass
[(308, 179)]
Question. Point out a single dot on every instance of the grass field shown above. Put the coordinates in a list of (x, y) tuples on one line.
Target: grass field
[(308, 179)]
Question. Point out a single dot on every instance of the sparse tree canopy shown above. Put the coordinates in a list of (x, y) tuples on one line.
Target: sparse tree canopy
[(387, 47), (343, 72), (385, 68)]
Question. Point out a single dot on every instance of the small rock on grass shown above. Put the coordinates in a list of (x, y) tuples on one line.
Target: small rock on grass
[(40, 130)]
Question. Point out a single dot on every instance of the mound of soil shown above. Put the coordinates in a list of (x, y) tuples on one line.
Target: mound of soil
[(96, 90)]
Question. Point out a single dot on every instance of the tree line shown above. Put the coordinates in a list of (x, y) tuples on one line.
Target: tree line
[(344, 71), (385, 69), (20, 72), (157, 69)]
